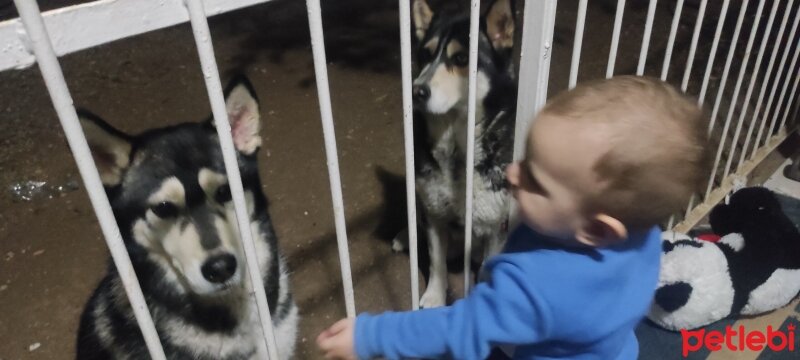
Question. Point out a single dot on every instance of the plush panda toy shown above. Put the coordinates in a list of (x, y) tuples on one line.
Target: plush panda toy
[(753, 268)]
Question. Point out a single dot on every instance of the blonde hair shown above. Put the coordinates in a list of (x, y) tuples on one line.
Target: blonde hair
[(658, 155)]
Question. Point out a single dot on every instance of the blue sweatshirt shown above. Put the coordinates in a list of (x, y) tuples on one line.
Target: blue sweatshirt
[(542, 300)]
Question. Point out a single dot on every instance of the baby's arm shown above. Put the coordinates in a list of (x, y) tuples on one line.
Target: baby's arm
[(503, 311)]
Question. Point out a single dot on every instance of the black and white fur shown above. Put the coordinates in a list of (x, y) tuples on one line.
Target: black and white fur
[(169, 192), (440, 104)]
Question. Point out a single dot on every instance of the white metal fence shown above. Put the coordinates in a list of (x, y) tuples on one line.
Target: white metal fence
[(41, 38)]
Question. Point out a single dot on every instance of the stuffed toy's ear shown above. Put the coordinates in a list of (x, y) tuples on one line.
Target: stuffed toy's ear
[(244, 116), (756, 200), (111, 148), (422, 15)]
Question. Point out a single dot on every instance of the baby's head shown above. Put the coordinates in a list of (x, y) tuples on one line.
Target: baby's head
[(608, 158)]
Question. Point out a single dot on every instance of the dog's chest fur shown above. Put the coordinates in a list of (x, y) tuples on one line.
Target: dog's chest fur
[(442, 181), (245, 341)]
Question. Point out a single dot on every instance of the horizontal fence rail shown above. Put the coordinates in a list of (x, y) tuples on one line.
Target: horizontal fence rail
[(87, 25)]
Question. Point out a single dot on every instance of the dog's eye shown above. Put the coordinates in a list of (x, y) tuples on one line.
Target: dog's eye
[(223, 194), (165, 210), (461, 59)]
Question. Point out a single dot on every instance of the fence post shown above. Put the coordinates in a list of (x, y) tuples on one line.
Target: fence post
[(62, 101), (534, 71)]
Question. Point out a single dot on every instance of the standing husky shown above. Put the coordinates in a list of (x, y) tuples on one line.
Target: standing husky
[(170, 195), (440, 103)]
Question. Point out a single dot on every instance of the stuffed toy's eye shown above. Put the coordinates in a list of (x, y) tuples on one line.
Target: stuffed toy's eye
[(223, 194), (165, 210)]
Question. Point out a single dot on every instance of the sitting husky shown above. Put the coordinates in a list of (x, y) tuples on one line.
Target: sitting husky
[(440, 103), (170, 195)]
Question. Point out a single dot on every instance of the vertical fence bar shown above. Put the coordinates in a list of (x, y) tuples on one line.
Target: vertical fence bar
[(205, 50), (764, 83), (793, 93), (771, 97), (790, 70), (408, 131), (326, 114), (474, 16), (761, 49), (671, 42), (687, 72), (797, 105), (775, 83), (612, 52), (785, 86), (709, 68), (648, 30), (577, 44), (727, 68), (713, 54), (534, 72), (62, 102), (732, 108)]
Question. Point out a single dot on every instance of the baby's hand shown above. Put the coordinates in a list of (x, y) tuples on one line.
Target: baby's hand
[(336, 342)]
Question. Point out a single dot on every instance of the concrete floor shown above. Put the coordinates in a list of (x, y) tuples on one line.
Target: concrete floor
[(51, 250)]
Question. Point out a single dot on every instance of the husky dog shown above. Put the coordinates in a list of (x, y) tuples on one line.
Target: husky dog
[(440, 104), (170, 195)]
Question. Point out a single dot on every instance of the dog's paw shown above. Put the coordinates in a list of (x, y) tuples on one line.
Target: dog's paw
[(433, 298)]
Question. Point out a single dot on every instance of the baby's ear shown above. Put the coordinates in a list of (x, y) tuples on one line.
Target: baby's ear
[(111, 148), (243, 115), (602, 230)]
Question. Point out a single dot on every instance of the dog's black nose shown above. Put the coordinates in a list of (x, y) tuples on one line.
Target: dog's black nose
[(421, 92), (219, 268)]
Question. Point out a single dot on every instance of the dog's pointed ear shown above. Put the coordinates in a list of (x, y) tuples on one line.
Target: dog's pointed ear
[(243, 115), (500, 25), (422, 17), (111, 148)]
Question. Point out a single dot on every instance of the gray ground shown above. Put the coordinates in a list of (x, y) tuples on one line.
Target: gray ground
[(51, 250)]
